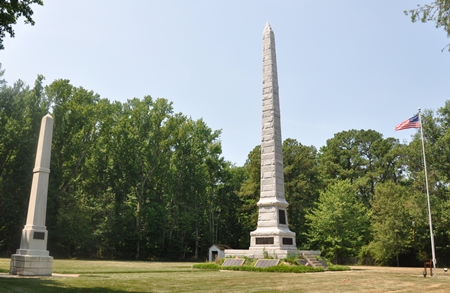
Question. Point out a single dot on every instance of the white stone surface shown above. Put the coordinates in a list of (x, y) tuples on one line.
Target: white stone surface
[(32, 258), (217, 251), (259, 253), (272, 197), (273, 237), (25, 265)]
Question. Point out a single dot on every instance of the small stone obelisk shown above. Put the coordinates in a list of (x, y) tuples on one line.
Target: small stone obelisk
[(272, 233), (32, 258)]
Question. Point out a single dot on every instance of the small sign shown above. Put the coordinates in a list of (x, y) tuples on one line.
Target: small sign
[(282, 217), (265, 263), (264, 240), (233, 262), (288, 241), (39, 235)]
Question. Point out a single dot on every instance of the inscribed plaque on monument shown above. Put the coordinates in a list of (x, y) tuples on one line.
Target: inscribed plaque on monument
[(264, 240), (265, 263), (287, 241), (39, 235), (282, 217), (233, 262)]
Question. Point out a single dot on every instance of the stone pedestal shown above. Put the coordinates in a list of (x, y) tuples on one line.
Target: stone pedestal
[(31, 265), (271, 252)]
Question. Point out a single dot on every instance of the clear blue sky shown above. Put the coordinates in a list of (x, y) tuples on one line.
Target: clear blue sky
[(341, 64)]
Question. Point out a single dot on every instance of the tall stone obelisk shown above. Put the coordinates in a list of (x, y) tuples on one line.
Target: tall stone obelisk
[(272, 233), (32, 258)]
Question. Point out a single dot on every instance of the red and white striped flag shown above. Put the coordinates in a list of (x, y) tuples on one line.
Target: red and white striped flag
[(412, 122)]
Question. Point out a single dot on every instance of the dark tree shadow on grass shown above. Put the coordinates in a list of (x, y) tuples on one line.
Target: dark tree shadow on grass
[(37, 285)]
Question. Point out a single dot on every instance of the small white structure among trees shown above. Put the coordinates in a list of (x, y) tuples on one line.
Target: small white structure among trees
[(217, 251)]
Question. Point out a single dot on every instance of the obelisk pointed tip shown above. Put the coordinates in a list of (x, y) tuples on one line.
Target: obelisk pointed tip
[(267, 27)]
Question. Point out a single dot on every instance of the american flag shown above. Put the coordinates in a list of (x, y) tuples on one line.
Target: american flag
[(412, 122)]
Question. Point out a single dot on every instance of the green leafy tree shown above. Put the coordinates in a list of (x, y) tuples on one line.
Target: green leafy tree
[(11, 11), (339, 224), (437, 138), (249, 194), (77, 120), (364, 158), (129, 180), (392, 222), (229, 228), (196, 169), (141, 149), (177, 196), (94, 195), (302, 184), (208, 172), (436, 134), (437, 11)]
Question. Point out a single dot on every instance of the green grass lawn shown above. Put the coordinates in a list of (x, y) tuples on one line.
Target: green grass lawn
[(128, 276)]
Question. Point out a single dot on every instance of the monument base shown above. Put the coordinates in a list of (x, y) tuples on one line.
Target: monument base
[(261, 253), (273, 237), (31, 265), (275, 242)]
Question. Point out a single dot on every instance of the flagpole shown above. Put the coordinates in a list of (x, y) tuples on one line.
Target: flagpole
[(428, 198)]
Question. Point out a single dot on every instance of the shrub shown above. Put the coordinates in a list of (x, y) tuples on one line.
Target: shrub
[(292, 257), (206, 266), (279, 268), (338, 268)]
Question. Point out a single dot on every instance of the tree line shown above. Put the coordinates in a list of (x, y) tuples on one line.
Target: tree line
[(135, 180)]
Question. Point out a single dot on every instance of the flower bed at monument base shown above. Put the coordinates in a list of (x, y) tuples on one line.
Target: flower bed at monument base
[(281, 268)]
